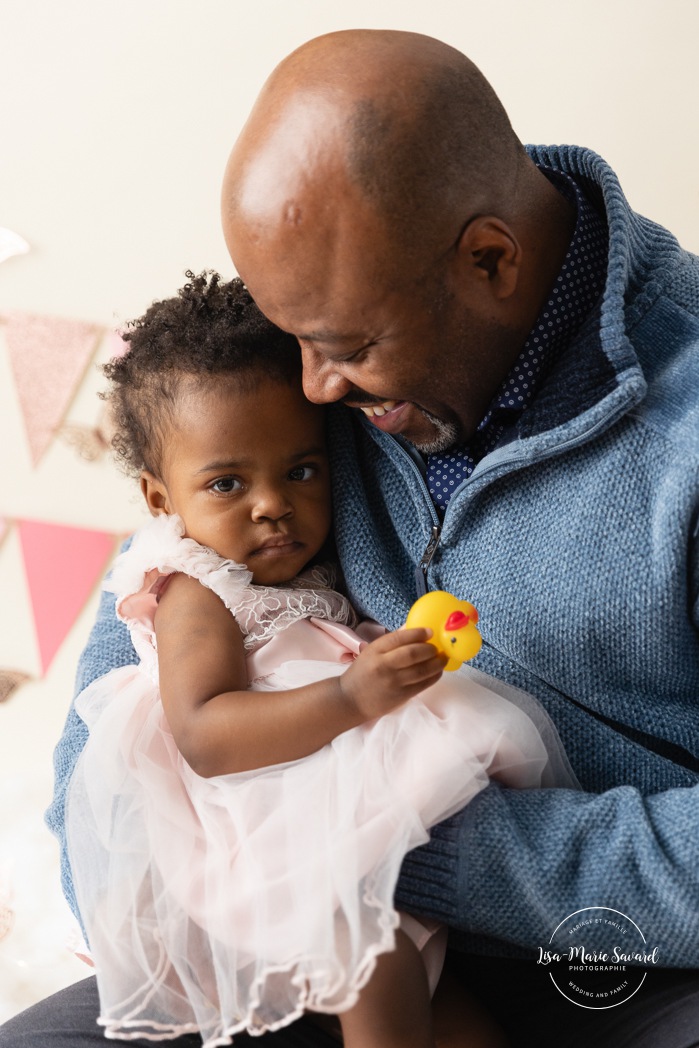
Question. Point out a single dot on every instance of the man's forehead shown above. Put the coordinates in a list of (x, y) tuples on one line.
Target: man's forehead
[(283, 152)]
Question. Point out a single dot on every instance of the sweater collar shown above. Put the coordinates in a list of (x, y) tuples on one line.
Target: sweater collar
[(598, 378)]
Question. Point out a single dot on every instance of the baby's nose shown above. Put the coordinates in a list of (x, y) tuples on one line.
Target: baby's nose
[(271, 504)]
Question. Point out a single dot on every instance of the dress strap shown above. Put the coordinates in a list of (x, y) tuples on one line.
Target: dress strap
[(158, 550), (161, 549)]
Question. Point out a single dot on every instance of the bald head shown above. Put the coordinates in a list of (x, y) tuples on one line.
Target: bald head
[(402, 121), (379, 206), (425, 132)]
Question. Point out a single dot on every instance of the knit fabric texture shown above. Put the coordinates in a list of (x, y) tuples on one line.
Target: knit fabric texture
[(577, 541)]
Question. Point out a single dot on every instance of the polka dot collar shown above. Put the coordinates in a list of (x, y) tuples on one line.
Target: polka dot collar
[(576, 290)]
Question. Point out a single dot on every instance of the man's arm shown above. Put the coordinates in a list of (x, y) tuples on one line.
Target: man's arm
[(514, 864), (109, 645)]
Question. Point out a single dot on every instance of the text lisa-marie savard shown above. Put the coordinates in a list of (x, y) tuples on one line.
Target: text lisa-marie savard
[(583, 956)]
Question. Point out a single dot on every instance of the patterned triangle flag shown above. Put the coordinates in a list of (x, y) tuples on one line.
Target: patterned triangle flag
[(48, 356), (62, 565), (10, 680)]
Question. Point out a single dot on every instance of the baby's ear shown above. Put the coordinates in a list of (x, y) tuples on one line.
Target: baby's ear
[(155, 493)]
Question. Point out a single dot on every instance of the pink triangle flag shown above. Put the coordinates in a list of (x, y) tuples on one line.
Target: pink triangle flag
[(48, 356), (62, 565), (116, 347)]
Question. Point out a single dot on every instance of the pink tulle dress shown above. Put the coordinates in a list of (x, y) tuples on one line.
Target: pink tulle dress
[(235, 903)]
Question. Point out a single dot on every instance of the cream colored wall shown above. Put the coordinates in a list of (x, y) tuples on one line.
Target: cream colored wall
[(116, 121)]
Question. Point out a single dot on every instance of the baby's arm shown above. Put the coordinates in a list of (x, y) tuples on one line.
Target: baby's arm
[(220, 727)]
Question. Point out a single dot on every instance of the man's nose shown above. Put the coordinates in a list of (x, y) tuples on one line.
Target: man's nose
[(322, 382)]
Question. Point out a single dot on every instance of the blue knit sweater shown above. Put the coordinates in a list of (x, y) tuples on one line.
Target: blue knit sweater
[(577, 540)]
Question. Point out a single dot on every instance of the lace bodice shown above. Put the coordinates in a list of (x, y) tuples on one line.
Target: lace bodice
[(159, 549), (263, 611)]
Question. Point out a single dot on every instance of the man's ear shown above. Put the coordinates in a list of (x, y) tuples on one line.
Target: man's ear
[(491, 255), (155, 493)]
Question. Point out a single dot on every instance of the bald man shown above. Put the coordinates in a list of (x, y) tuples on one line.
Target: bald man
[(511, 356)]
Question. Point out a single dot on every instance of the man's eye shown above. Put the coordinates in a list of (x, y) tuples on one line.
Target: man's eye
[(226, 485), (357, 355), (302, 472)]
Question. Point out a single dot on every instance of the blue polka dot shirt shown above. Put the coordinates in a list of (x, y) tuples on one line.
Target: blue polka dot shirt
[(576, 290)]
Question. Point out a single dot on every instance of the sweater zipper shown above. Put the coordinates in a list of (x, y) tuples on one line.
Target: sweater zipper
[(436, 529), (423, 566), (435, 534)]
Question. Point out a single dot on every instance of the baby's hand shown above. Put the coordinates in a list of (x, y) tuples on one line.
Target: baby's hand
[(390, 670)]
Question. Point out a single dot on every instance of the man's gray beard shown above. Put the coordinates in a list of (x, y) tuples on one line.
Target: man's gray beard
[(445, 436)]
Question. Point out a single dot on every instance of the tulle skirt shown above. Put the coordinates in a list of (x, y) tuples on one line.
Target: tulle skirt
[(236, 903)]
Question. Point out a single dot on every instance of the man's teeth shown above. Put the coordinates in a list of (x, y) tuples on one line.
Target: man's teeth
[(379, 409)]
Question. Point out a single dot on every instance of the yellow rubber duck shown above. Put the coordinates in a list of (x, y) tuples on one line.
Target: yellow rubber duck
[(453, 625)]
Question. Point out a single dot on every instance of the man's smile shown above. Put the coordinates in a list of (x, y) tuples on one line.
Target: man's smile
[(372, 410), (387, 415)]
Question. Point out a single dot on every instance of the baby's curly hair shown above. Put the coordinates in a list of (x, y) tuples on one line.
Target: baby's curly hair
[(210, 328)]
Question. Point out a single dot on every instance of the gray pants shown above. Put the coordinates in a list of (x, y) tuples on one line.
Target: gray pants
[(68, 1020), (664, 1014)]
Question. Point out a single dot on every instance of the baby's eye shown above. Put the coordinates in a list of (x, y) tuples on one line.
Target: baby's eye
[(226, 485), (302, 472)]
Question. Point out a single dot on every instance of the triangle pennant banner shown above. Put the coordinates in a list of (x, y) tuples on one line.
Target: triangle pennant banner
[(62, 565), (11, 243), (116, 347), (88, 441), (10, 680), (48, 356)]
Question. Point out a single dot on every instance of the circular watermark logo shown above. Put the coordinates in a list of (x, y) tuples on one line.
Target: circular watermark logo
[(597, 957)]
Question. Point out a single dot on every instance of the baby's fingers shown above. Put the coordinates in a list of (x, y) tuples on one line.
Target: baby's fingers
[(416, 662), (401, 638)]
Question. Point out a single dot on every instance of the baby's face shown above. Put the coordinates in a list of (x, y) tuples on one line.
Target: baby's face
[(248, 474)]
